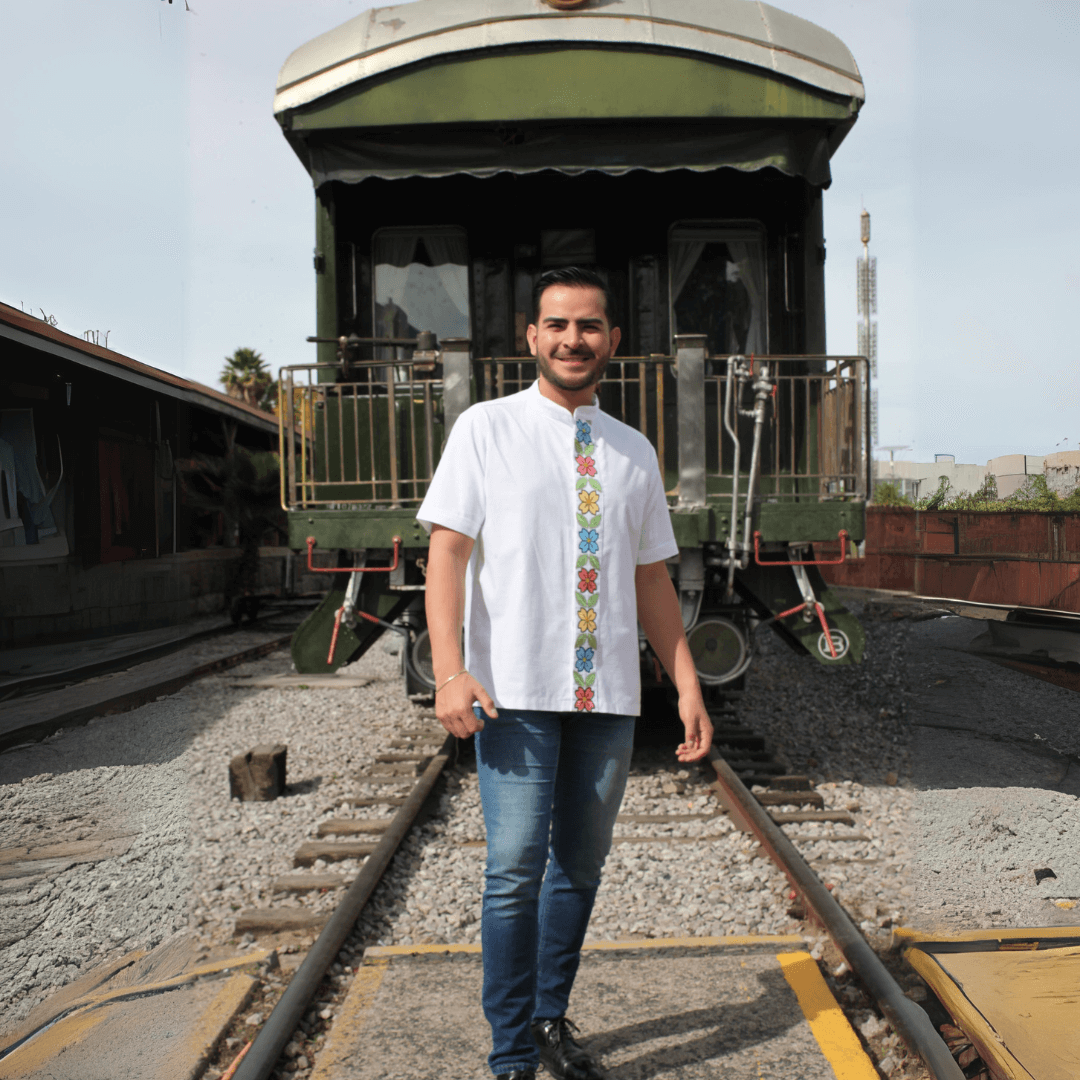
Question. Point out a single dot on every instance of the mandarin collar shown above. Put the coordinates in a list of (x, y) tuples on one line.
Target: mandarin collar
[(557, 412)]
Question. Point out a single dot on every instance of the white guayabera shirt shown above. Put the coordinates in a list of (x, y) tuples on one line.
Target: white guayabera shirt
[(563, 508)]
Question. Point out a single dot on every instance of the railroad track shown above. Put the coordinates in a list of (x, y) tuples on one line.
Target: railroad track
[(397, 788), (34, 707), (302, 1009)]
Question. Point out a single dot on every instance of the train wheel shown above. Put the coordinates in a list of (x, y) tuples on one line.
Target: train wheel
[(416, 660), (719, 649)]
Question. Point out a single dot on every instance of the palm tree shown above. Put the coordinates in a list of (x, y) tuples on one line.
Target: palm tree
[(247, 376)]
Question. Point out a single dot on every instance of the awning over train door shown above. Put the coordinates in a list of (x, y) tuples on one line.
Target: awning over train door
[(654, 85)]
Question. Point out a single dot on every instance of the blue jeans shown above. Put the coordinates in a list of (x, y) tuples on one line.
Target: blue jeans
[(551, 785)]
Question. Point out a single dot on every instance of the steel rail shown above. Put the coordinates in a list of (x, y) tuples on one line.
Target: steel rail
[(58, 680), (908, 1020), (282, 1021)]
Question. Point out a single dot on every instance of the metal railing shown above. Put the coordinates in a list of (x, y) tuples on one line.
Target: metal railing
[(376, 439)]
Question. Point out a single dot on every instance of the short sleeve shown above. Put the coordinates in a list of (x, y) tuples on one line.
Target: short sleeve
[(657, 536), (455, 496)]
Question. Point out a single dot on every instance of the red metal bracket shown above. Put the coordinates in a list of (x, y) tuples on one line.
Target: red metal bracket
[(842, 536), (350, 569), (820, 614)]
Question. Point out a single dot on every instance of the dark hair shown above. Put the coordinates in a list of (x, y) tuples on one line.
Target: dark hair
[(579, 277)]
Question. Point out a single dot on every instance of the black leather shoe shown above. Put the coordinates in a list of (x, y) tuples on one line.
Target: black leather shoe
[(518, 1074), (561, 1055)]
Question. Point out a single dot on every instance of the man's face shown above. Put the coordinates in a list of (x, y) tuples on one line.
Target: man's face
[(571, 338)]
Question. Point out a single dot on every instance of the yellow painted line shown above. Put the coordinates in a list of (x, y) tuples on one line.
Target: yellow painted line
[(33, 1057), (728, 941), (65, 998), (379, 952), (201, 1041), (91, 1004), (343, 1044), (909, 936), (773, 940), (218, 967), (827, 1021)]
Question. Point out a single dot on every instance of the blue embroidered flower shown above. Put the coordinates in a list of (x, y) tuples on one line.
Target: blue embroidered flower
[(584, 659), (588, 541), (584, 431)]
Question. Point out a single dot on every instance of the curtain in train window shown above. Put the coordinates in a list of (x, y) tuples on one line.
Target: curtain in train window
[(421, 282), (717, 280)]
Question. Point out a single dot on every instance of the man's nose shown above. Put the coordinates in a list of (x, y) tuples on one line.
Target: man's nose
[(574, 338)]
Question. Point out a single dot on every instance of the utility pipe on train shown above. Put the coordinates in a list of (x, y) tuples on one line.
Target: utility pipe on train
[(908, 1020), (281, 1023)]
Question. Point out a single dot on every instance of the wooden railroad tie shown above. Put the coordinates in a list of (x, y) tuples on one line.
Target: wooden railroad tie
[(353, 826), (369, 800), (274, 920), (331, 851), (301, 883)]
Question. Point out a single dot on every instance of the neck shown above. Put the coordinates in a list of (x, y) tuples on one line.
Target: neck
[(568, 399)]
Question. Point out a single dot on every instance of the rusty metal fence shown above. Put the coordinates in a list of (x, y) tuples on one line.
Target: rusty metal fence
[(375, 441)]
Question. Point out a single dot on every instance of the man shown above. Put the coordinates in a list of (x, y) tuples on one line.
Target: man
[(549, 532)]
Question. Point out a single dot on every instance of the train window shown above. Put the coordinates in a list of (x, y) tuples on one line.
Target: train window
[(717, 286), (421, 282)]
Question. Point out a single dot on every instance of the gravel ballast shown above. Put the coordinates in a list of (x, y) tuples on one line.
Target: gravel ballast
[(154, 783)]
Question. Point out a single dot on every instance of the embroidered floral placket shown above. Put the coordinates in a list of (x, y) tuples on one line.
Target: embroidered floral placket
[(588, 568)]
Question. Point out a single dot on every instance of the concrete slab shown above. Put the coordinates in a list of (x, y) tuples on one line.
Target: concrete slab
[(150, 1016), (163, 1036), (686, 1010), (1012, 993)]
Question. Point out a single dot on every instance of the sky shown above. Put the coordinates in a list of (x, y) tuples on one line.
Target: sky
[(148, 192)]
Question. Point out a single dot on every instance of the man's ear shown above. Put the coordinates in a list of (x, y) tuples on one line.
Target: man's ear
[(615, 337), (530, 337)]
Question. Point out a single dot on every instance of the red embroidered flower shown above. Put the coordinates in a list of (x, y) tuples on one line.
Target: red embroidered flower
[(586, 466), (584, 697), (586, 580)]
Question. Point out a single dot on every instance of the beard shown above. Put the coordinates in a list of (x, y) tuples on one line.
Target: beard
[(578, 381)]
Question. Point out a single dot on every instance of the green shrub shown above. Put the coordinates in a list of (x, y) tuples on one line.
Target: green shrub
[(887, 493), (1034, 496)]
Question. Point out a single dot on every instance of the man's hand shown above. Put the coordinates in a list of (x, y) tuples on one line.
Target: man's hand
[(454, 706), (698, 727), (448, 556), (661, 619)]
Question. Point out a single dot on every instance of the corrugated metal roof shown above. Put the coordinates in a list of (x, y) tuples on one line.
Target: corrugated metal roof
[(28, 330), (387, 38)]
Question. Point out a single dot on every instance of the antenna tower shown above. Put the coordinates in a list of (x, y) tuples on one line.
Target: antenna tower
[(866, 288)]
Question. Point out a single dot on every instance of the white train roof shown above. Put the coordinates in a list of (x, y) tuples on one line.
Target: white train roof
[(745, 31)]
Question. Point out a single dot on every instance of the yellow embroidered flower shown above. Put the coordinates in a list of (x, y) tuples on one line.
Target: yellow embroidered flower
[(586, 620), (590, 502)]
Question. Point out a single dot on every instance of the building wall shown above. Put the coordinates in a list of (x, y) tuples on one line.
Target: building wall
[(58, 598), (1062, 471)]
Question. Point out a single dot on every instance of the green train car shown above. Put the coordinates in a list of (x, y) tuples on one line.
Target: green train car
[(679, 147)]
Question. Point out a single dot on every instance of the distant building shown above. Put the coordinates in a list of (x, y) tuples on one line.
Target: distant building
[(1062, 471), (917, 479)]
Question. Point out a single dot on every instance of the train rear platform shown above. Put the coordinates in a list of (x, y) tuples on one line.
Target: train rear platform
[(740, 1007)]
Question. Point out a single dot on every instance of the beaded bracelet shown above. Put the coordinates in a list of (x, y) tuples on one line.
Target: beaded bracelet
[(463, 671)]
